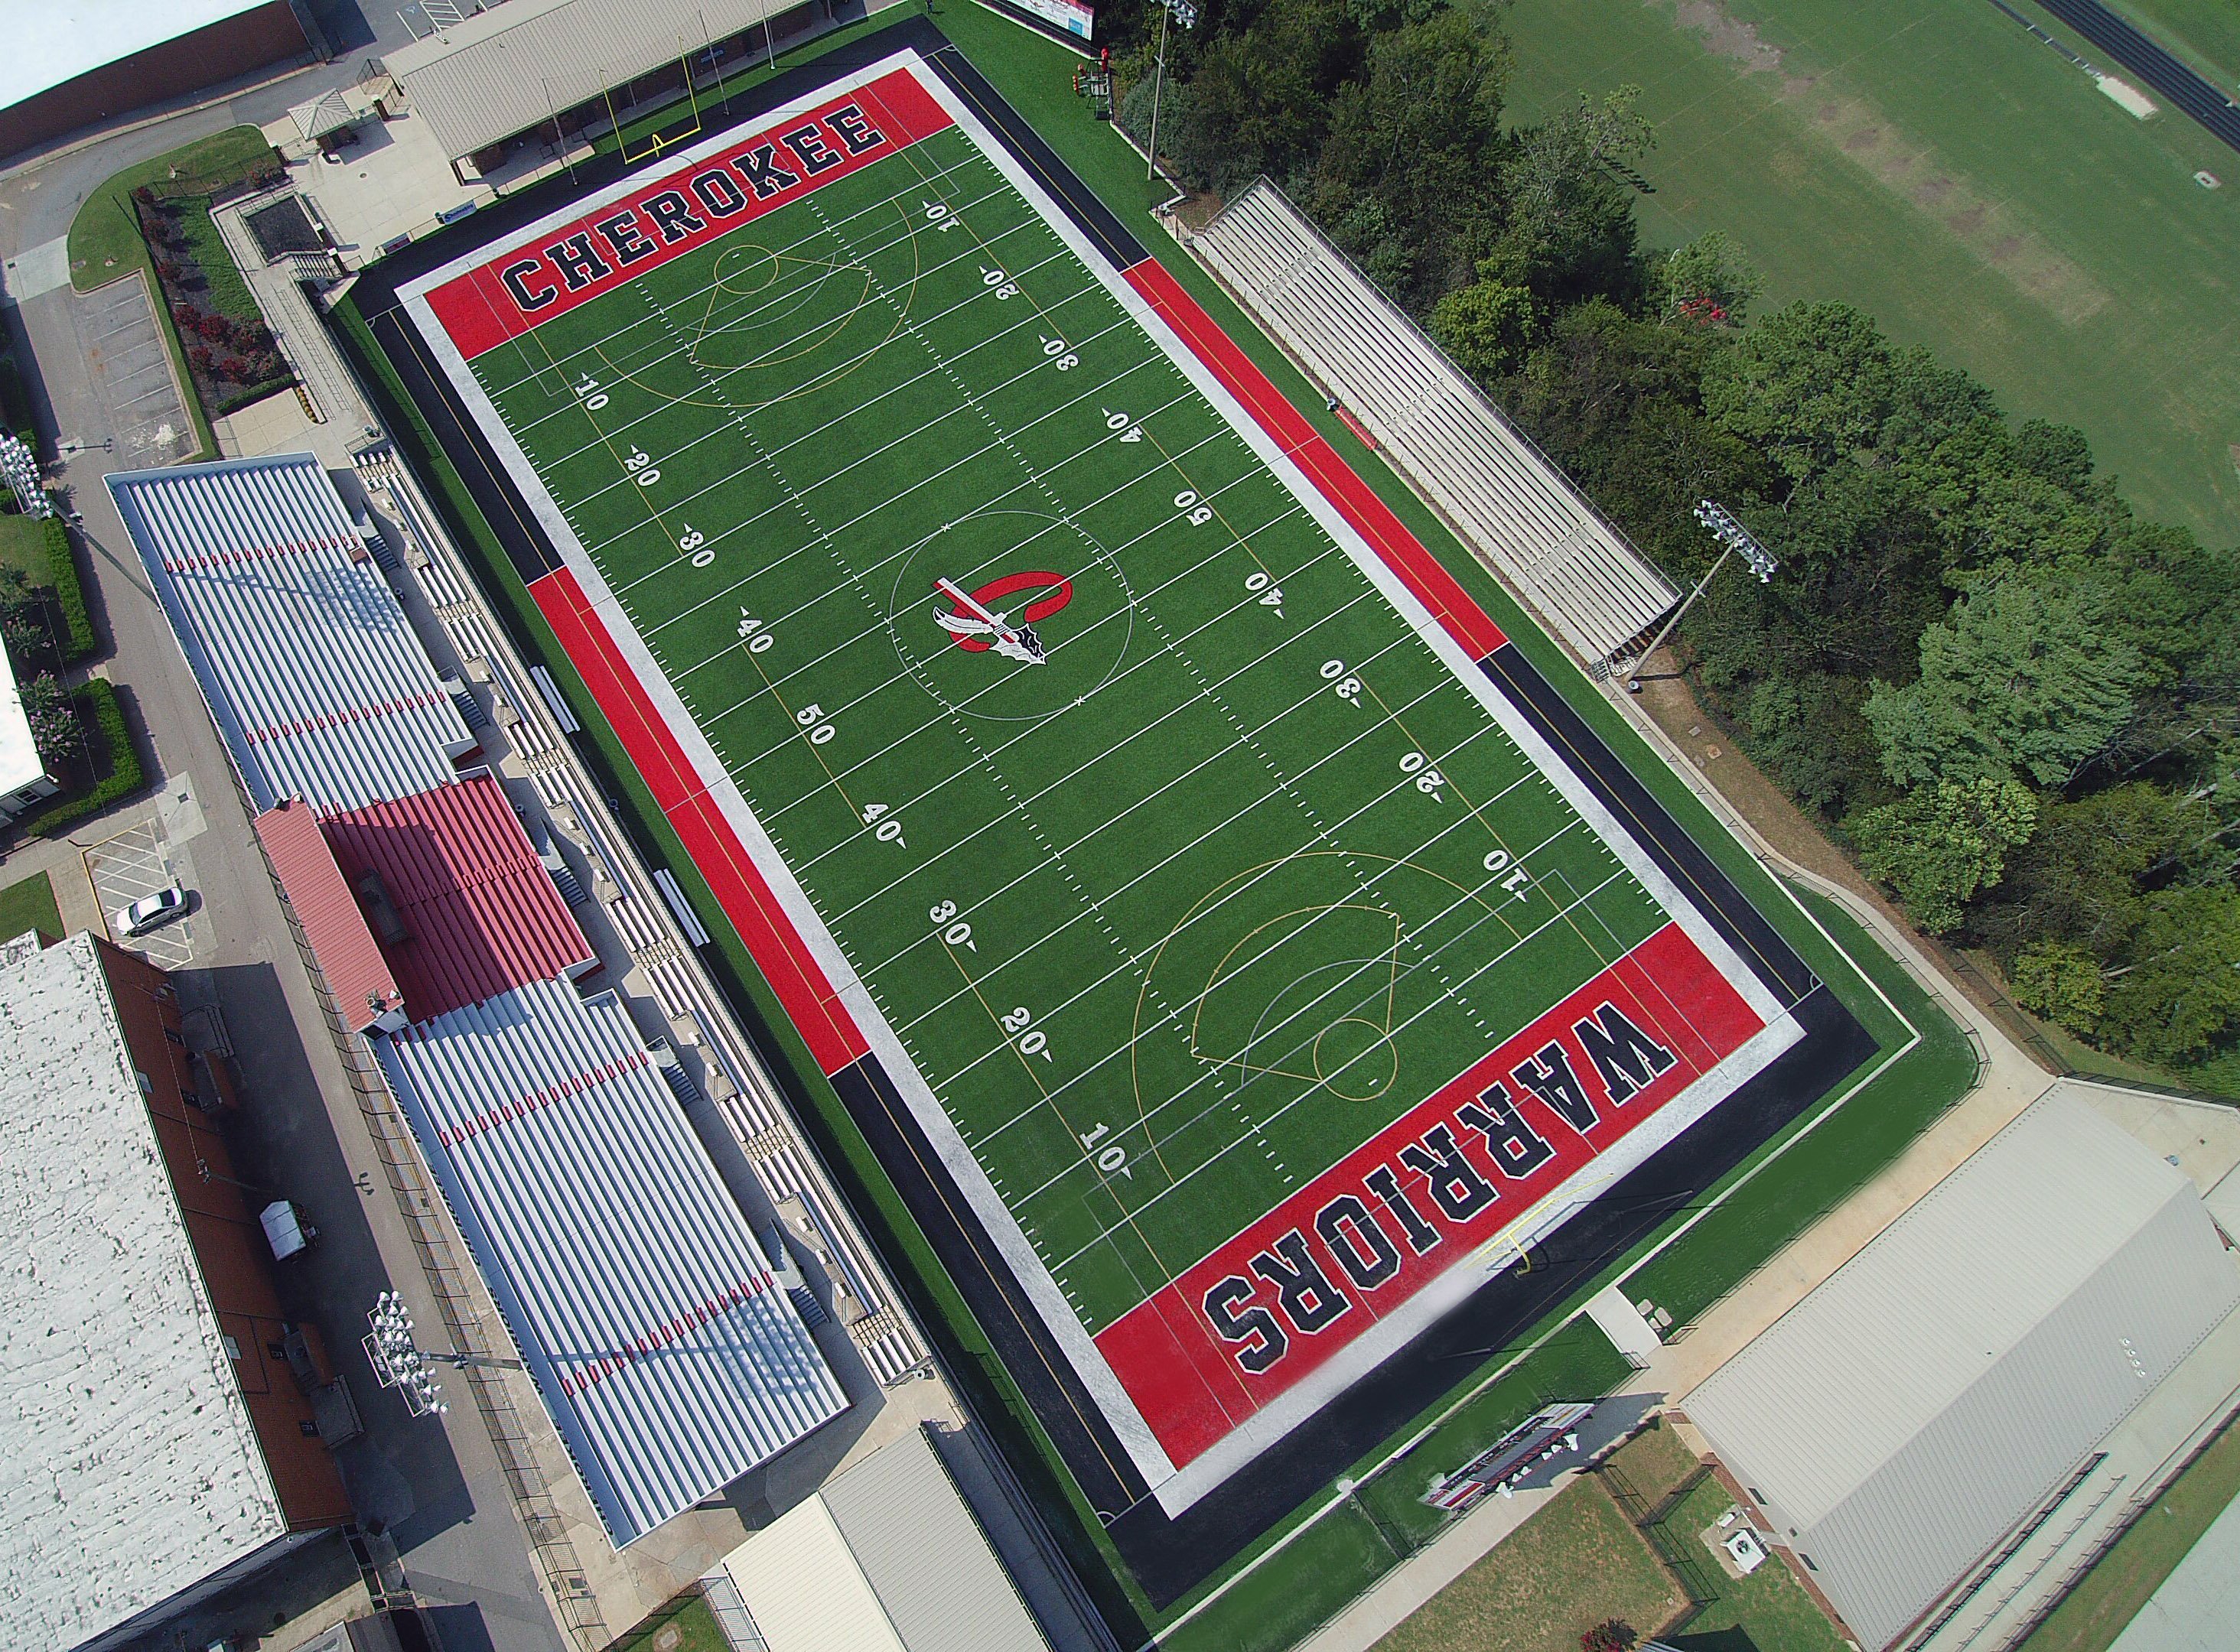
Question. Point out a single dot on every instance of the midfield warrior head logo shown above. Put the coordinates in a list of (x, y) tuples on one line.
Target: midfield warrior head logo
[(979, 626)]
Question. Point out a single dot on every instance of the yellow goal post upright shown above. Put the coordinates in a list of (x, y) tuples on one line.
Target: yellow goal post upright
[(665, 137)]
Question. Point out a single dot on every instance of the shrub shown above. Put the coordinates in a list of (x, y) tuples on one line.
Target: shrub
[(201, 360), (144, 195), (183, 316), (69, 590), (250, 337), (168, 271), (97, 706), (215, 327)]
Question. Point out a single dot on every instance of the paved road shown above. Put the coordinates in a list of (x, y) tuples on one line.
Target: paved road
[(2151, 62)]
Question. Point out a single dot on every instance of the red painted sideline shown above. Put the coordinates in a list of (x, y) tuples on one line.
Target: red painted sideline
[(714, 848), (1403, 553), (1188, 1379)]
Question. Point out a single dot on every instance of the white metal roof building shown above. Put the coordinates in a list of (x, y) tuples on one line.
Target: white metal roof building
[(1504, 498), (308, 665), (669, 1357), (22, 772), (887, 1556), (1900, 1422), (130, 1468), (516, 66)]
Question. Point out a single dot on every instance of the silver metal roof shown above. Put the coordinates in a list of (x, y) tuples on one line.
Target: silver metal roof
[(129, 1467), (516, 66), (308, 665), (1899, 1421), (668, 1356), (886, 1557), (1508, 504)]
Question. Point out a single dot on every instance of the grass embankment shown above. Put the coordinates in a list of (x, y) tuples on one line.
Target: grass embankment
[(1933, 163), (689, 1614), (2114, 1590), (30, 904), (1576, 1563)]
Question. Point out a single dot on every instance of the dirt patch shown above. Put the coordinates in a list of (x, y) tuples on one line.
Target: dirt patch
[(1859, 129), (1728, 37)]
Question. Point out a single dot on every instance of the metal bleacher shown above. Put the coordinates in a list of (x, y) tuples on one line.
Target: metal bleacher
[(1500, 494)]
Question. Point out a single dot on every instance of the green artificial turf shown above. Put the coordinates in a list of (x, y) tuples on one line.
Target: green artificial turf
[(1933, 163), (1171, 919)]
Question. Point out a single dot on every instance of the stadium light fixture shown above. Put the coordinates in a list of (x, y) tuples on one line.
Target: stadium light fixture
[(1735, 540)]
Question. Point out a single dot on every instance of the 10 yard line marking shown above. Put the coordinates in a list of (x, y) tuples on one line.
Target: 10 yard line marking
[(968, 735), (1176, 1184), (1477, 893)]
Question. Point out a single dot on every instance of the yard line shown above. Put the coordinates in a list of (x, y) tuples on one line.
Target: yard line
[(1046, 1016), (995, 684), (1112, 751), (993, 896), (728, 591), (561, 363), (1177, 1184)]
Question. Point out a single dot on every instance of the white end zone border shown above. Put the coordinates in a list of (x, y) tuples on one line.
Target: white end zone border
[(1175, 1490)]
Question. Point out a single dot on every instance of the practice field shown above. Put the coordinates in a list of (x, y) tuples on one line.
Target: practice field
[(1933, 163), (1096, 770)]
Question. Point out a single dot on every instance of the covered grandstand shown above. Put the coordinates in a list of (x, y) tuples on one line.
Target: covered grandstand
[(668, 1357), (667, 1354), (308, 667), (1499, 493)]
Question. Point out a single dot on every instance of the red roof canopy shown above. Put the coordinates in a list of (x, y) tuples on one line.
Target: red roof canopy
[(356, 974), (479, 913)]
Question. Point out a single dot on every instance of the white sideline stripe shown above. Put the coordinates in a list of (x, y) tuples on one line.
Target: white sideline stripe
[(970, 1177)]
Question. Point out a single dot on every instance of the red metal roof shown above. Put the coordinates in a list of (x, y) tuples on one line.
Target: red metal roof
[(356, 974), (480, 913)]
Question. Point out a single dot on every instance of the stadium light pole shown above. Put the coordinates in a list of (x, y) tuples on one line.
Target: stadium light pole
[(1185, 13), (1736, 540)]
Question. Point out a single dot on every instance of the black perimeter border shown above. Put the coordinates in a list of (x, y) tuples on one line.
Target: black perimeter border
[(1170, 1555)]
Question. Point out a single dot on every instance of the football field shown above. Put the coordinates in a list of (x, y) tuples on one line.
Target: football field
[(1066, 743)]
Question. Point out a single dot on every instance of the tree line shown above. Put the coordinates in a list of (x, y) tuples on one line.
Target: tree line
[(2015, 702)]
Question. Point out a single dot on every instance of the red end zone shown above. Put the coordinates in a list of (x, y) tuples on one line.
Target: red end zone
[(576, 262), (1423, 1194)]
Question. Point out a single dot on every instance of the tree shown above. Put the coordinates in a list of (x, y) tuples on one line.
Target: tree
[(2060, 982), (2030, 673), (1939, 846), (1416, 133), (1706, 282), (2179, 1000), (2082, 879), (1487, 328), (54, 723)]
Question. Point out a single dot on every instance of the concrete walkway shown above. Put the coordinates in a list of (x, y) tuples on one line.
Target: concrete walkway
[(2197, 1607)]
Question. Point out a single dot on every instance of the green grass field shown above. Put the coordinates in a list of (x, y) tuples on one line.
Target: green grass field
[(1171, 918), (1933, 163), (30, 904)]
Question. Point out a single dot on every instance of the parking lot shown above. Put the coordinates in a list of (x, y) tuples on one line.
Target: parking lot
[(137, 862)]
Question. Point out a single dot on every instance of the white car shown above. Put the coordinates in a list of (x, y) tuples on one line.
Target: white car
[(150, 911)]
